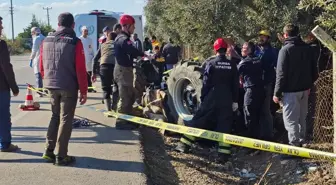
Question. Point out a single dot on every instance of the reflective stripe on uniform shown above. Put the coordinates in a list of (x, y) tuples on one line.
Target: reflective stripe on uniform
[(185, 141), (223, 144), (224, 151), (190, 138)]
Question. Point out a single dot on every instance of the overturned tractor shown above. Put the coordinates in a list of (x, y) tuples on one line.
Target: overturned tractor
[(181, 85)]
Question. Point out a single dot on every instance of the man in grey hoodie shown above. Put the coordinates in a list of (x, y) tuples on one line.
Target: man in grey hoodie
[(295, 74)]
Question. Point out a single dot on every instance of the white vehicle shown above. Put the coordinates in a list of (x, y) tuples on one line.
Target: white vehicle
[(96, 20)]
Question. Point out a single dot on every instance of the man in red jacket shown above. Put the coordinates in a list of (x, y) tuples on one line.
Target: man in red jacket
[(63, 68)]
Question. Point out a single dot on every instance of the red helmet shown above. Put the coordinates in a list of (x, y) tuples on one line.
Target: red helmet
[(126, 20), (220, 44)]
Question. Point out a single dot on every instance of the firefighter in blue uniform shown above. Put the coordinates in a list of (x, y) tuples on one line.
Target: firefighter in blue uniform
[(251, 71), (125, 53), (219, 99)]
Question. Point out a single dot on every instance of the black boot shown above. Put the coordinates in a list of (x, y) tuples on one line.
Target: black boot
[(182, 147), (108, 104), (125, 125)]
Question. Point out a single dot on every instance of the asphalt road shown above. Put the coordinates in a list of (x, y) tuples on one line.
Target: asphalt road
[(105, 156)]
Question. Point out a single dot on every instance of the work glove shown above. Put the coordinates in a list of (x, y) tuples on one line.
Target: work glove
[(234, 106)]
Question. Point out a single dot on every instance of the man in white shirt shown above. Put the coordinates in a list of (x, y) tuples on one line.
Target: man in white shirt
[(89, 54), (38, 38)]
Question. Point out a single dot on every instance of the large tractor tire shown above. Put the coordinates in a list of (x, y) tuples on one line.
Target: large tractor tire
[(184, 90)]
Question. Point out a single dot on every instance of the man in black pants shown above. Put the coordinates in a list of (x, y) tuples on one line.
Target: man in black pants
[(251, 71), (97, 57), (107, 62), (220, 79)]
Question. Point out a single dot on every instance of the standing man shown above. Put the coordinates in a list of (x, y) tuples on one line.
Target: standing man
[(137, 42), (117, 30), (171, 53), (269, 57), (251, 71), (63, 68), (106, 67), (89, 54), (125, 53), (220, 79), (106, 30), (295, 74), (35, 56), (7, 84)]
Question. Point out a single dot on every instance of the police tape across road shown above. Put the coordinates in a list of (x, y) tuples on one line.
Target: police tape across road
[(221, 137)]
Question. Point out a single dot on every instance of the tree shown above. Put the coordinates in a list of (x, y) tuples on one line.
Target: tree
[(200, 22), (324, 12), (45, 29)]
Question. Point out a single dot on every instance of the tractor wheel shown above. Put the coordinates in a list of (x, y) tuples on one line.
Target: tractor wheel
[(184, 90)]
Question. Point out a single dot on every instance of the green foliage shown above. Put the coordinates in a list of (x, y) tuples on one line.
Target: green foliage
[(200, 22), (324, 11), (15, 48), (45, 29)]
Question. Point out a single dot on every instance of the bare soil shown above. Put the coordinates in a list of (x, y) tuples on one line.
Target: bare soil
[(164, 166)]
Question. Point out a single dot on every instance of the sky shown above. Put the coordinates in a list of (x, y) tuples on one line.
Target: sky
[(23, 10)]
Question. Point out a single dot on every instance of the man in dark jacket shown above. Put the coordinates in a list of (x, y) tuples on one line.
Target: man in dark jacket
[(171, 53), (64, 71), (251, 71), (125, 53), (137, 42), (269, 56), (220, 79), (295, 75), (7, 83)]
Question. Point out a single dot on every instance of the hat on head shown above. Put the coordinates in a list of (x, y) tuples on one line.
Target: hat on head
[(106, 28)]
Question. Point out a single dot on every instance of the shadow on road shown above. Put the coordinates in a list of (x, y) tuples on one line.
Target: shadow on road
[(104, 134), (111, 165), (22, 102), (85, 163)]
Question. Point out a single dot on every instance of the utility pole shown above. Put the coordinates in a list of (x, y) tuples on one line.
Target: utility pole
[(11, 10), (48, 8)]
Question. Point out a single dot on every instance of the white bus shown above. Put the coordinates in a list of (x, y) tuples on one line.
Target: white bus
[(96, 20)]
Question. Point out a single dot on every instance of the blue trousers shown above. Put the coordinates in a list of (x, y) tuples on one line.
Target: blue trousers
[(5, 121), (39, 82), (169, 66)]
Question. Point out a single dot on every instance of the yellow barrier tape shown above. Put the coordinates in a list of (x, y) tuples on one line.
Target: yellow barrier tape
[(42, 89), (221, 137), (230, 139)]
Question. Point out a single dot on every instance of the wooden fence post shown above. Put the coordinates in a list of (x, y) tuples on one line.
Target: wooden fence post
[(330, 43)]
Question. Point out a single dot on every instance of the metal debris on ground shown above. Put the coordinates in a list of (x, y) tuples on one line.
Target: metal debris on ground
[(80, 123), (246, 174)]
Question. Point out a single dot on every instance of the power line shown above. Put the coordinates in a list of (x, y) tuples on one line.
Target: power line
[(11, 10), (48, 8)]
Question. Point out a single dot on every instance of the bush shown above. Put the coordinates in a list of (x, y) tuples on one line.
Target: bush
[(16, 47)]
